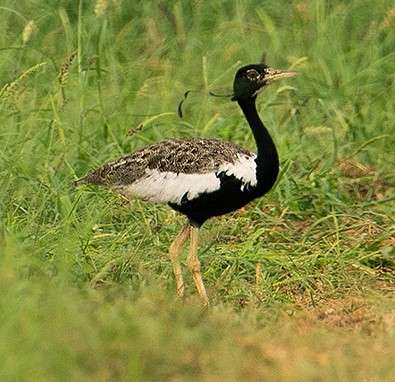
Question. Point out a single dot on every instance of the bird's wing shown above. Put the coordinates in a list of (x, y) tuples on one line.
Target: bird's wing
[(168, 170)]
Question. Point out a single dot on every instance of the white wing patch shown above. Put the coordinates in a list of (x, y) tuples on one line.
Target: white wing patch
[(244, 169), (170, 187)]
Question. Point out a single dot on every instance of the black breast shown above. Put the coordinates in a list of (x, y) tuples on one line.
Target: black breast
[(229, 197)]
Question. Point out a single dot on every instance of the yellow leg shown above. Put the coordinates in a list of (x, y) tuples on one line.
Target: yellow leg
[(194, 263), (174, 252)]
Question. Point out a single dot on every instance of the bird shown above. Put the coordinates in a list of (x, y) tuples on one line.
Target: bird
[(201, 177)]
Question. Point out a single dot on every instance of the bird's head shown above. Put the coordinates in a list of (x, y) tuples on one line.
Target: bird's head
[(252, 79)]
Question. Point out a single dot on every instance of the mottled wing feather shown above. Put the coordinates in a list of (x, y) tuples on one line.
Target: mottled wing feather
[(180, 156)]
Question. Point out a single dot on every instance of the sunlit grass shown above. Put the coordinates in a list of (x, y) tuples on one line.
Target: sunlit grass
[(301, 281)]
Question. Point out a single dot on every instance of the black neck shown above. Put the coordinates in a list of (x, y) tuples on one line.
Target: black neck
[(267, 157)]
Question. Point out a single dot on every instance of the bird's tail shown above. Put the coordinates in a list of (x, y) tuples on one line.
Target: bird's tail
[(95, 178), (81, 181)]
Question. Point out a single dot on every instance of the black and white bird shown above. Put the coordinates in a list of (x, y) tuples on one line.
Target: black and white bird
[(201, 177)]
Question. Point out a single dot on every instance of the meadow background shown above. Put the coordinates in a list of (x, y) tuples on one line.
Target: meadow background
[(301, 281)]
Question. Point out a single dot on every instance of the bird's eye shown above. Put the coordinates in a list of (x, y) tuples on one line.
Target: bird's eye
[(253, 75)]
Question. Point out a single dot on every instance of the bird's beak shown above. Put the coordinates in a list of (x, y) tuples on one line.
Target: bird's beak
[(272, 75)]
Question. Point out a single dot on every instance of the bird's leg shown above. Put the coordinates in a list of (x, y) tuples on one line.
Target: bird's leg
[(174, 252), (194, 263)]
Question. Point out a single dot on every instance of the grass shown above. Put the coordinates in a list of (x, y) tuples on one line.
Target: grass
[(301, 281)]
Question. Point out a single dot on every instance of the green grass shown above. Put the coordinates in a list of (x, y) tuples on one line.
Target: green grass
[(301, 281)]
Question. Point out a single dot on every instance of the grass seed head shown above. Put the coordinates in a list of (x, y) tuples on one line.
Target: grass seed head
[(389, 20), (10, 89), (100, 7), (28, 30), (65, 69)]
